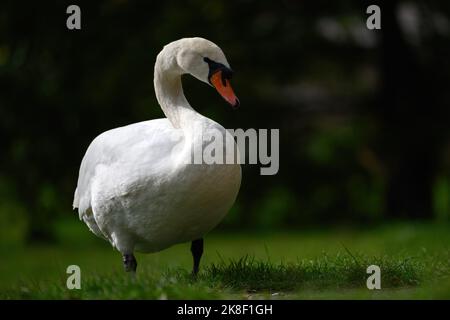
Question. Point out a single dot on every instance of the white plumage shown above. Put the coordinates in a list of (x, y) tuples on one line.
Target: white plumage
[(135, 186)]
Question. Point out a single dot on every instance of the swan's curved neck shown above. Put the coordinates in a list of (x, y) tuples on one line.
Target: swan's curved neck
[(169, 90)]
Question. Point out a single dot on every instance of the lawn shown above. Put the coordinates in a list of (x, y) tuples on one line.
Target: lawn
[(305, 264)]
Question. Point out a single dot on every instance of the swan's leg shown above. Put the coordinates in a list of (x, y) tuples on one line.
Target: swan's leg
[(129, 262), (197, 251)]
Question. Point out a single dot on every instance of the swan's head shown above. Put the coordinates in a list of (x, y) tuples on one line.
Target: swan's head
[(205, 60)]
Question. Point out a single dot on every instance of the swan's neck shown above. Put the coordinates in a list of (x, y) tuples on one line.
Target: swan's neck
[(169, 91)]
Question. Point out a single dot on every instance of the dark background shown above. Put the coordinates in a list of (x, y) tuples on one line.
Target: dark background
[(363, 114)]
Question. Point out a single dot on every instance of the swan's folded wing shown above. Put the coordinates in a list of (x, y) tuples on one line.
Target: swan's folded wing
[(147, 145)]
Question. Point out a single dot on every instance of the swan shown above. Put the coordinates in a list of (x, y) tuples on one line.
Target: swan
[(137, 187)]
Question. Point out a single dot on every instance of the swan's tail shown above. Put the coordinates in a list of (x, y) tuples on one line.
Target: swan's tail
[(75, 199)]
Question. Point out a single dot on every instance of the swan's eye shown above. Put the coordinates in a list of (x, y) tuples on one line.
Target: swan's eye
[(214, 67), (227, 74)]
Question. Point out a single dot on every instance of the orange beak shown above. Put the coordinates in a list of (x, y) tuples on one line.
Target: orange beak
[(223, 86)]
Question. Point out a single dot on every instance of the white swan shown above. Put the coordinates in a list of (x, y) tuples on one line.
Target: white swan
[(135, 186)]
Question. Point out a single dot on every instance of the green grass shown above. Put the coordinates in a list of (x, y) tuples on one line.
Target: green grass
[(325, 264), (339, 271)]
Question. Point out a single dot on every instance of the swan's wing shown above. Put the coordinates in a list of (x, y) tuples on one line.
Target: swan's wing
[(148, 143)]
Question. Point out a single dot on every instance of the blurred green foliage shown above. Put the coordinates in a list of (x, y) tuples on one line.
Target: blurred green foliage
[(355, 146)]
